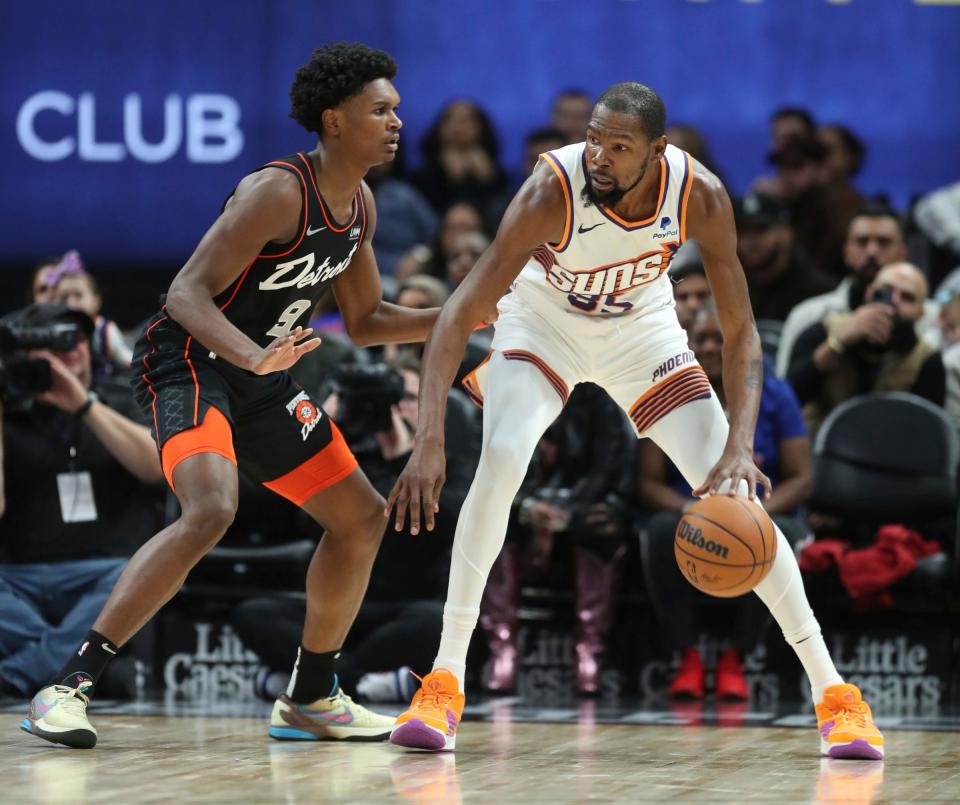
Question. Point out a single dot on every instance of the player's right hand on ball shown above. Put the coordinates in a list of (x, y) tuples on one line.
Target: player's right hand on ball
[(418, 488), (284, 352)]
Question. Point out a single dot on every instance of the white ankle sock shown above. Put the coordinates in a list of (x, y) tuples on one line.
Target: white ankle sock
[(458, 626)]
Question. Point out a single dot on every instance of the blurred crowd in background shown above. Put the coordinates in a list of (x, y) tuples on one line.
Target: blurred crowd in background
[(851, 298)]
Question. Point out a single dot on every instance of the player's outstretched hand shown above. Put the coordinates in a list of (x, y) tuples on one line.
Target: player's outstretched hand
[(735, 465), (418, 488), (284, 352)]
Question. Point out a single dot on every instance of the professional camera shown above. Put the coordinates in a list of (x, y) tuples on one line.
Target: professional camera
[(366, 394), (22, 377)]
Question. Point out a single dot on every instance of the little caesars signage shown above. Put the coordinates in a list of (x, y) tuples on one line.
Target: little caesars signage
[(218, 666), (896, 672)]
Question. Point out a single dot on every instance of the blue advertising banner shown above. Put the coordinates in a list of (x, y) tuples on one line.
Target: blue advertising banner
[(124, 125)]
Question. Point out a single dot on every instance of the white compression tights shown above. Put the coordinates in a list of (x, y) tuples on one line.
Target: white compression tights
[(518, 406), (693, 437)]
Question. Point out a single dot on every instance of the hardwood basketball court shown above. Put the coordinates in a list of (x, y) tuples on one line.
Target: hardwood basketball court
[(506, 753)]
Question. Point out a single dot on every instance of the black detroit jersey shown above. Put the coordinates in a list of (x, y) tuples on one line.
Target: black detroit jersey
[(181, 378), (280, 288)]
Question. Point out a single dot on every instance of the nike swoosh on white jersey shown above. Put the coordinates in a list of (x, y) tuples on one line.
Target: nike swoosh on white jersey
[(312, 231)]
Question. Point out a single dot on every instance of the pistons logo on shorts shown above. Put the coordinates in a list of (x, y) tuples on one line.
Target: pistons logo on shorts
[(305, 412)]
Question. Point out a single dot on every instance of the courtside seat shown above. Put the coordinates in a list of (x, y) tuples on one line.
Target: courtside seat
[(892, 457)]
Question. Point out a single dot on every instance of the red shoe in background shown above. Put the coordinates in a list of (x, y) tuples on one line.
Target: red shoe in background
[(731, 684), (690, 679)]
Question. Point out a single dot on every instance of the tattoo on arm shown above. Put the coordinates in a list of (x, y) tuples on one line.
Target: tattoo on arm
[(754, 379)]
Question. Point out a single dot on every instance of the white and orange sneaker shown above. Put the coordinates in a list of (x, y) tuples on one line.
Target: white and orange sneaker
[(434, 715), (846, 725)]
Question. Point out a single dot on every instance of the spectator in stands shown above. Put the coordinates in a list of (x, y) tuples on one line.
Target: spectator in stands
[(422, 291), (949, 321), (79, 480), (41, 287), (570, 114), (950, 352), (456, 221), (845, 153), (574, 491), (820, 215), (778, 278), (790, 123), (75, 287), (691, 139), (460, 153), (874, 348), (397, 626), (936, 217), (464, 252), (691, 290), (874, 239), (782, 451), (537, 142), (404, 217), (419, 291), (786, 124)]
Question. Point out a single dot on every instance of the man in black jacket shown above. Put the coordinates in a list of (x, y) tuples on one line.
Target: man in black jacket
[(75, 484)]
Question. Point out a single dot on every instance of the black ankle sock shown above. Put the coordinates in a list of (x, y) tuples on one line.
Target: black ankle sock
[(314, 676), (88, 662)]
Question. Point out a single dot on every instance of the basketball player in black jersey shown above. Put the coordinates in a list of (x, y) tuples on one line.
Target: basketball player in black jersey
[(214, 381)]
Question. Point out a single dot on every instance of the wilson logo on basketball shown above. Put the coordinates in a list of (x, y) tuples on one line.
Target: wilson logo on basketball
[(305, 412), (695, 537)]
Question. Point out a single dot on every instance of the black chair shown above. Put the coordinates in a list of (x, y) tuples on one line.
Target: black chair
[(892, 457)]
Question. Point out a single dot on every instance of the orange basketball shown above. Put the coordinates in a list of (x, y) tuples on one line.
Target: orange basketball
[(725, 545)]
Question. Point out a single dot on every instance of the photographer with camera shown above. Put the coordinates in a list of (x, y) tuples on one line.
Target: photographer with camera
[(401, 616), (874, 348), (73, 478)]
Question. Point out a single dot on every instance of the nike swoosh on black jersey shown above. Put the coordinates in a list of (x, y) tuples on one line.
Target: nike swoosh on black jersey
[(581, 230)]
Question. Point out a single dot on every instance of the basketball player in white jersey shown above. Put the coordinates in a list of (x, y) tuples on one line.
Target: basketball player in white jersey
[(583, 250)]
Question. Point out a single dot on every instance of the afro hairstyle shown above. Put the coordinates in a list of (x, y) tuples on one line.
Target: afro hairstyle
[(334, 74)]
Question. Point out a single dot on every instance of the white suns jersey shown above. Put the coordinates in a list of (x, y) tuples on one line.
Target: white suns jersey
[(605, 266)]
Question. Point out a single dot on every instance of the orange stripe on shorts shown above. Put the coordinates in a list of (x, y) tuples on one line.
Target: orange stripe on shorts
[(552, 377), (213, 435), (332, 464), (680, 388)]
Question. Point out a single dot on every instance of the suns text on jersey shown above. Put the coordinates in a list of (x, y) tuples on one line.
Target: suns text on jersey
[(615, 278)]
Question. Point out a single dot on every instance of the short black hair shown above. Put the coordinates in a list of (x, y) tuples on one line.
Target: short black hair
[(572, 92), (798, 112), (877, 208), (334, 74), (692, 268), (854, 146), (544, 133), (641, 102)]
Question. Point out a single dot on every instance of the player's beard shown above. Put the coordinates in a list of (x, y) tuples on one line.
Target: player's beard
[(611, 197)]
